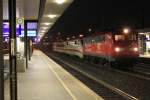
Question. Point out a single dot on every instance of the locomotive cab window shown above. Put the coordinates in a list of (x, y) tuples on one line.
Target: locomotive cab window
[(122, 37), (119, 37)]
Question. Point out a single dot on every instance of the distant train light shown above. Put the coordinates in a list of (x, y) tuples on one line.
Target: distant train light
[(73, 37), (135, 49), (126, 30), (81, 35), (117, 49), (90, 30), (59, 33), (68, 38)]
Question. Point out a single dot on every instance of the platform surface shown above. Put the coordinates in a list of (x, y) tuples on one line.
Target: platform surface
[(46, 80), (145, 56)]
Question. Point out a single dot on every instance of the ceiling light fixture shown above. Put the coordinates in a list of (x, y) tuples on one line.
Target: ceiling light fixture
[(52, 16), (44, 28), (42, 31), (60, 1), (46, 23)]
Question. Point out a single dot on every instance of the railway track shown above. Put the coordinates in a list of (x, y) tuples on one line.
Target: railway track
[(108, 91), (132, 83), (137, 71), (143, 62), (142, 71), (142, 67)]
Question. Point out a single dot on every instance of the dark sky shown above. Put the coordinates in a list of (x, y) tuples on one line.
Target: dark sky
[(102, 15)]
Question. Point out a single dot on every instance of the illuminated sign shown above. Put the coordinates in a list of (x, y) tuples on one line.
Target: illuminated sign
[(31, 33), (31, 27), (6, 29), (19, 20)]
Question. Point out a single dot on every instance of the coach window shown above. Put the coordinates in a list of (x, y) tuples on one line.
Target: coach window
[(75, 42), (82, 42)]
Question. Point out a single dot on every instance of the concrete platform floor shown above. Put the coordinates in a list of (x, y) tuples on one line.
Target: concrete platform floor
[(145, 56), (46, 80)]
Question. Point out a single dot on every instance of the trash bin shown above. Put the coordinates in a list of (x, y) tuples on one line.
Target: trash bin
[(6, 66), (21, 63), (6, 61)]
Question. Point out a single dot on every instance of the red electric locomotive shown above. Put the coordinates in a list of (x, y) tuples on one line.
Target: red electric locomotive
[(113, 48)]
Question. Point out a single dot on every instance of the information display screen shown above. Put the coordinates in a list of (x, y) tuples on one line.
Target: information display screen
[(6, 29), (31, 29), (31, 33)]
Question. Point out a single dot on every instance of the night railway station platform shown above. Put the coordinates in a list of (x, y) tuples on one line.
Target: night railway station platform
[(46, 80), (80, 28)]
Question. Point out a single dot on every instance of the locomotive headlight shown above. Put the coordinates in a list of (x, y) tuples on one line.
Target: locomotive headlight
[(117, 49), (135, 49)]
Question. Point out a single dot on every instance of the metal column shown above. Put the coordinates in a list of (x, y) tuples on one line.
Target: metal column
[(1, 53), (29, 49), (12, 53), (26, 43)]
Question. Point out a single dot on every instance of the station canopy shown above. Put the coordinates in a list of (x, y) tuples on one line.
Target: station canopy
[(46, 12)]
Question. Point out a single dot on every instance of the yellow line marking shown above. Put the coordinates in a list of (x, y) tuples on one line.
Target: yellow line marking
[(63, 84)]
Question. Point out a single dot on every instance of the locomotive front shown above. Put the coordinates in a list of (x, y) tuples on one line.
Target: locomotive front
[(125, 46)]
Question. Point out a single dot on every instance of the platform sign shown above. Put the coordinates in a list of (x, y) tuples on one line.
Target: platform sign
[(6, 29), (19, 20)]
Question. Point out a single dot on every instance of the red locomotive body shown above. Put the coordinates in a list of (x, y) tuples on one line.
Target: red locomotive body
[(109, 47), (112, 47)]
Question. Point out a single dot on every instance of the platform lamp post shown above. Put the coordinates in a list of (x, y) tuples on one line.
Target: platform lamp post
[(1, 54), (12, 53)]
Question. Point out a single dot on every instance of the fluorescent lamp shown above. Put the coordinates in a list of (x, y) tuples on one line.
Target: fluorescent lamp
[(141, 33), (60, 1), (52, 16), (46, 23), (44, 28), (42, 31)]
